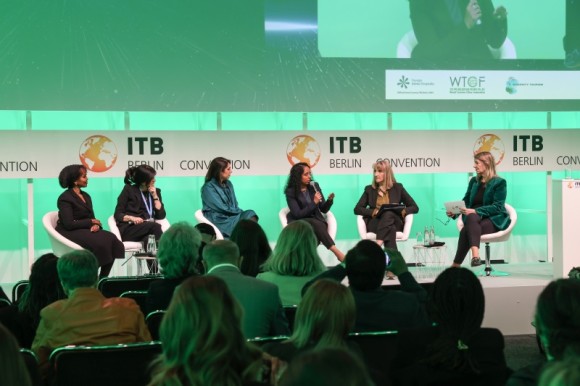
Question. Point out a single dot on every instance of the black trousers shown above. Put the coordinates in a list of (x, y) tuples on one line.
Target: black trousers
[(470, 236), (321, 230), (386, 227)]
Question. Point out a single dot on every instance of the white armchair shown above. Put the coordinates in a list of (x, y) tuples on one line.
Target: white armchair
[(401, 236), (60, 244)]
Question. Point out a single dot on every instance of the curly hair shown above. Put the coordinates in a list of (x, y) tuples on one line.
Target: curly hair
[(202, 337), (295, 177), (295, 252), (179, 250)]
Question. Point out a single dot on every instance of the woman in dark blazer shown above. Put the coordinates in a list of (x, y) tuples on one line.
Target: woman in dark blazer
[(484, 211), (139, 205), (306, 202), (77, 222), (385, 190)]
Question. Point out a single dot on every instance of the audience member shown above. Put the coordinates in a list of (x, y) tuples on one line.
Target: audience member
[(377, 309), (561, 373), (326, 367), (557, 323), (457, 351), (86, 317), (207, 236), (294, 261), (253, 245), (43, 289), (13, 371), (320, 322), (203, 343), (263, 312), (177, 255)]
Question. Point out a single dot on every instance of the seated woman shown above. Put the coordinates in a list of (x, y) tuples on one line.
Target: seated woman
[(202, 337), (320, 323), (484, 210), (385, 190), (220, 205), (139, 205), (306, 202), (253, 244), (294, 261), (457, 351), (43, 289), (77, 222), (178, 254)]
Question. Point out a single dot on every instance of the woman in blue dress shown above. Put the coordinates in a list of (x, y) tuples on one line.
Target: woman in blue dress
[(220, 205)]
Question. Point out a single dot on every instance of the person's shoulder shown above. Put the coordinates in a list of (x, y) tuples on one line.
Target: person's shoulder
[(369, 188), (121, 304), (54, 308)]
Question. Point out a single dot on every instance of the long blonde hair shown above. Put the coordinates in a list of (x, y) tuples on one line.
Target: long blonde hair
[(202, 337), (295, 252), (487, 159), (325, 315), (384, 166)]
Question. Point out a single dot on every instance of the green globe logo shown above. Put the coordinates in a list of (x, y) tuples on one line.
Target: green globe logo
[(303, 148), (491, 143), (98, 153)]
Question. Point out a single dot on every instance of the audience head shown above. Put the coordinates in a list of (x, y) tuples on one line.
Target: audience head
[(365, 266), (295, 181), (561, 373), (13, 370), (207, 232), (383, 176), (221, 252), (179, 250), (141, 175), (253, 244), (295, 252), (70, 174), (486, 158), (326, 367), (217, 169), (558, 318), (77, 269), (457, 305), (202, 337), (321, 320), (43, 287)]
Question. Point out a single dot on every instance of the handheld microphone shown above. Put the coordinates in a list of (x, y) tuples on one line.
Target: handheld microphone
[(313, 184)]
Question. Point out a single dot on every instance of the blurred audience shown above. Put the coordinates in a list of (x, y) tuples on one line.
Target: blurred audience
[(86, 317), (13, 371), (326, 367), (207, 236), (323, 319), (294, 261), (263, 312), (561, 373), (177, 255), (253, 245), (377, 309), (457, 351), (43, 289), (203, 343)]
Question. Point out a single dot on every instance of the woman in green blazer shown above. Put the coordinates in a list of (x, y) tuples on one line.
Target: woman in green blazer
[(484, 211)]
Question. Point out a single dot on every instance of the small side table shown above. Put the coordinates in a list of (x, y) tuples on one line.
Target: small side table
[(140, 256), (430, 261)]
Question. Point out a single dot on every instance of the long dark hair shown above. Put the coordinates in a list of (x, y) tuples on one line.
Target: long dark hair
[(43, 288), (457, 305), (253, 245), (69, 174), (216, 166), (295, 177), (141, 174)]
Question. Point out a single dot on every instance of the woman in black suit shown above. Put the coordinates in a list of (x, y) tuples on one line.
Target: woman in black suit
[(77, 222), (385, 190), (139, 205), (306, 202)]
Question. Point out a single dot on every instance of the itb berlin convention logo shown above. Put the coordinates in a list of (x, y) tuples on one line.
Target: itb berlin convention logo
[(490, 143), (303, 148), (98, 153)]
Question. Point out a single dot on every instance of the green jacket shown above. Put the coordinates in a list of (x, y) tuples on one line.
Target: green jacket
[(493, 201)]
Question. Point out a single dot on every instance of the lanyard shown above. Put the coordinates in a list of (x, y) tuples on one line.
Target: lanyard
[(148, 207)]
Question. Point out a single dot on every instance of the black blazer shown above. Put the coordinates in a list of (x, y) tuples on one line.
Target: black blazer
[(130, 202), (300, 208), (73, 213), (397, 195)]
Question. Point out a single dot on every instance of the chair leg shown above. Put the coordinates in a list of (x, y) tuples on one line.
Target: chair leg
[(488, 270)]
